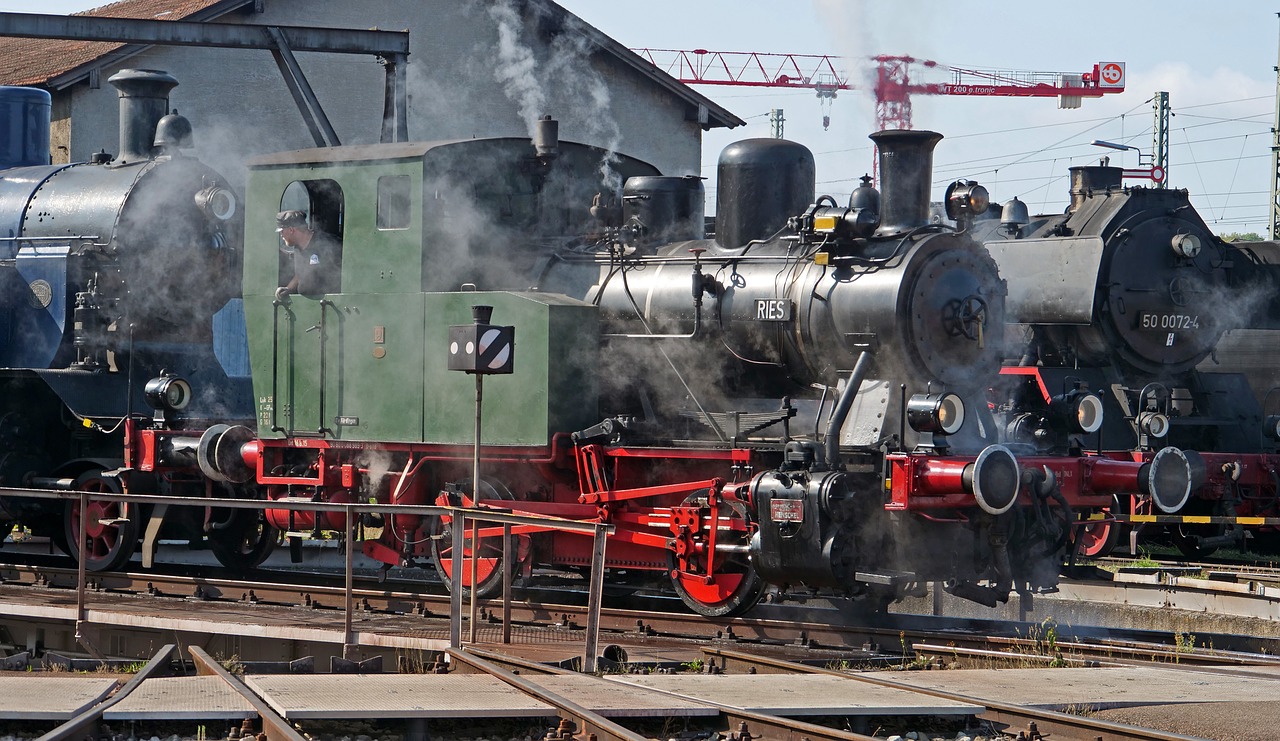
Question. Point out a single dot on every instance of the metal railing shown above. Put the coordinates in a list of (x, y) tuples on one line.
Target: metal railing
[(460, 516)]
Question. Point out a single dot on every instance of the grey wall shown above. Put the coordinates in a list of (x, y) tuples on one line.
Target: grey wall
[(240, 107)]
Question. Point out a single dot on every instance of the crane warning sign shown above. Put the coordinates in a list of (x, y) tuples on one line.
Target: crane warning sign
[(1111, 74)]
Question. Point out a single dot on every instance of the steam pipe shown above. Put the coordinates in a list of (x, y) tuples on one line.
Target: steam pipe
[(697, 327), (700, 281), (999, 541), (128, 394), (843, 406)]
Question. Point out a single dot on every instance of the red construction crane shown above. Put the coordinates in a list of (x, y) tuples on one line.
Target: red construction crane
[(892, 82)]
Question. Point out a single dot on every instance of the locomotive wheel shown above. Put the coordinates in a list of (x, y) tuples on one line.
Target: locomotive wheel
[(111, 531), (736, 587), (245, 542), (1099, 538), (59, 537), (489, 561)]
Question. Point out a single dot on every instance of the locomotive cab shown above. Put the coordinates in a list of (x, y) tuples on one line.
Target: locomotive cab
[(416, 222)]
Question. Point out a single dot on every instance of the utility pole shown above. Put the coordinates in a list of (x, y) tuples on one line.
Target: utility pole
[(1160, 136), (775, 123), (1275, 155)]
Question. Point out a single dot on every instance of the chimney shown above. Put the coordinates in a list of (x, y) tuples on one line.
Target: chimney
[(906, 178), (144, 100), (1087, 178)]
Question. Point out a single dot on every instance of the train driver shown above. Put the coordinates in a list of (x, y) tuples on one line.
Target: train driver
[(315, 257)]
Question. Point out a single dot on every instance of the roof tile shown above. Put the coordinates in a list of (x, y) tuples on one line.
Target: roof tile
[(37, 61)]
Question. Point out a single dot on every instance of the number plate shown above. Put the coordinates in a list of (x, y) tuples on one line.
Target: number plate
[(773, 310), (1168, 322), (786, 510)]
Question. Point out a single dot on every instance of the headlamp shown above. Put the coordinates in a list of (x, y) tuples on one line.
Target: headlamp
[(966, 198), (169, 393), (1154, 424), (1080, 410), (936, 413), (1186, 245)]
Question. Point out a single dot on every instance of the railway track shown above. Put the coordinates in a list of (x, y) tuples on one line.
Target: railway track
[(1013, 720), (1035, 723), (789, 635), (817, 626), (1221, 570)]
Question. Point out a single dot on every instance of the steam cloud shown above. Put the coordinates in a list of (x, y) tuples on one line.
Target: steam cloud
[(564, 73), (518, 65)]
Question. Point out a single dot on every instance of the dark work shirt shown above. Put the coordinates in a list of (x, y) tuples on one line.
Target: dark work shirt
[(318, 266)]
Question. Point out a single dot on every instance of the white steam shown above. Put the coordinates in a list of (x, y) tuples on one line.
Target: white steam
[(517, 65), (564, 72)]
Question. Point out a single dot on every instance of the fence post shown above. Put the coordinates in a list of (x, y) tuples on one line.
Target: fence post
[(455, 593), (475, 562), (595, 596), (81, 610), (348, 643), (506, 582)]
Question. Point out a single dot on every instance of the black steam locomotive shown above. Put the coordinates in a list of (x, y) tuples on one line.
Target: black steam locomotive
[(113, 271), (1128, 294), (797, 404)]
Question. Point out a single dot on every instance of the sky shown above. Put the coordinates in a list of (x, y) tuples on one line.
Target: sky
[(1216, 61)]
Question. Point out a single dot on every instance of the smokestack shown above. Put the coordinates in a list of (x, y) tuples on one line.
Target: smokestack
[(906, 177), (144, 100), (546, 138), (1088, 178)]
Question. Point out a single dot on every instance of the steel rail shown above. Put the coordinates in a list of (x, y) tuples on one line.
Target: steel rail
[(86, 723), (273, 724), (1053, 724), (587, 720), (459, 515), (973, 658), (532, 611), (986, 658), (1117, 652), (761, 725)]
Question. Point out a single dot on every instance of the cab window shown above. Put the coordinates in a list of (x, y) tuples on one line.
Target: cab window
[(317, 265)]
